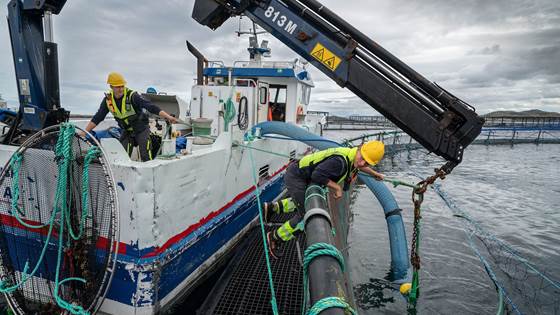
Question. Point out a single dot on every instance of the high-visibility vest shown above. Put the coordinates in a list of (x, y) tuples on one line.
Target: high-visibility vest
[(124, 113), (349, 154)]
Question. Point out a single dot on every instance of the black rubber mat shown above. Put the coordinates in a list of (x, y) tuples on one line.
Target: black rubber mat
[(244, 287)]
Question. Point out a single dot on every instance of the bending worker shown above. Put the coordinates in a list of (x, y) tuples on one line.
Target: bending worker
[(128, 107), (334, 168)]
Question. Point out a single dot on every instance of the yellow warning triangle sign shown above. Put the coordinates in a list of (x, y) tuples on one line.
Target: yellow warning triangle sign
[(318, 54), (325, 56), (329, 62)]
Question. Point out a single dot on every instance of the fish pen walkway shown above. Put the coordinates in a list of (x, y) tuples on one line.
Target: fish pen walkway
[(398, 141), (244, 287)]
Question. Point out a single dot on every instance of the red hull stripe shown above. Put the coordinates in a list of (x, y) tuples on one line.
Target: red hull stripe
[(203, 221), (102, 241)]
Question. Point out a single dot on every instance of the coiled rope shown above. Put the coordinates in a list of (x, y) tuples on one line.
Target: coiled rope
[(312, 252), (229, 111), (63, 157)]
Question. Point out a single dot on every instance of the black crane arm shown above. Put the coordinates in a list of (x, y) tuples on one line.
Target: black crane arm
[(435, 118), (36, 64)]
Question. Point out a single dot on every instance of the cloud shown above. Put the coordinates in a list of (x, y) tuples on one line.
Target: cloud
[(492, 50)]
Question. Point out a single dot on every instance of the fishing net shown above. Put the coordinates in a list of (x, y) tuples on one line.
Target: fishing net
[(59, 231), (524, 287)]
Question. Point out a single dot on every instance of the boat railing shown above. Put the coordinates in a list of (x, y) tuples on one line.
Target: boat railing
[(249, 63), (265, 64), (216, 64)]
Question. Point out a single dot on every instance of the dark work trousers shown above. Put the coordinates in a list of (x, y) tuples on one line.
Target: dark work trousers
[(142, 139), (296, 187)]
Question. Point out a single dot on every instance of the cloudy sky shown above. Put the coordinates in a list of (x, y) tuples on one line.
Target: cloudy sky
[(495, 55)]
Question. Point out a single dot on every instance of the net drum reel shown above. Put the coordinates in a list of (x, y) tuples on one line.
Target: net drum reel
[(59, 226)]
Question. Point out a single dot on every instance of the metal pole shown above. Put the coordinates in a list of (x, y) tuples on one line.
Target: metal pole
[(48, 27), (200, 62)]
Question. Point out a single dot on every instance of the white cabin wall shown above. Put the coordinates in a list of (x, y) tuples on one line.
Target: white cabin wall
[(213, 100)]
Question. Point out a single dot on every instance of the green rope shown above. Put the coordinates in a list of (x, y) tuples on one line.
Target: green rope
[(229, 111), (235, 143), (64, 157), (314, 195), (414, 289), (324, 190), (15, 163), (4, 288), (396, 182), (501, 305), (322, 195), (313, 251), (330, 302), (263, 232), (93, 153)]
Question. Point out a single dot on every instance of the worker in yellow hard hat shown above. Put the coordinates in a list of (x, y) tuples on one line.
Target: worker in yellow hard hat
[(334, 168), (128, 108)]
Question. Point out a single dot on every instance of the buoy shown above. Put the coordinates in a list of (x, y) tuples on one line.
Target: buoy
[(405, 288)]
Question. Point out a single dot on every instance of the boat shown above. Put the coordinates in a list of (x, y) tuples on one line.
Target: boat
[(182, 214)]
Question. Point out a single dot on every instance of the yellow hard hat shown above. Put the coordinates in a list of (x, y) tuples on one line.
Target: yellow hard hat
[(372, 152), (116, 79)]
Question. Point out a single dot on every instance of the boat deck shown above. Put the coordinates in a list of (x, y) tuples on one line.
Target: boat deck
[(244, 287)]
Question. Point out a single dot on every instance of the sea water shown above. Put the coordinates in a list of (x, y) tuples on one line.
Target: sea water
[(512, 192)]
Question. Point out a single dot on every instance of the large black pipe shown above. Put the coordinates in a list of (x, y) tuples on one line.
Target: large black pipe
[(325, 275), (201, 61), (363, 40)]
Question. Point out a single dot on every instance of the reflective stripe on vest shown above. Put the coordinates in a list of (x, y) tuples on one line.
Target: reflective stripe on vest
[(126, 109), (349, 154)]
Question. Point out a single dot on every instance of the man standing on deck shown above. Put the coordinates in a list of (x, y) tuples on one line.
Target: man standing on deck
[(332, 168), (128, 107)]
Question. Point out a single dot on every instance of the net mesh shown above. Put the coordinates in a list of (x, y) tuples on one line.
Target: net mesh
[(34, 240), (527, 288)]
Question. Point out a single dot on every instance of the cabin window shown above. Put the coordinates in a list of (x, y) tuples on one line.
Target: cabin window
[(277, 101), (306, 94), (263, 95)]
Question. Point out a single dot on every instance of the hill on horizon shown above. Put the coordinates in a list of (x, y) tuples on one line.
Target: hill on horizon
[(525, 113)]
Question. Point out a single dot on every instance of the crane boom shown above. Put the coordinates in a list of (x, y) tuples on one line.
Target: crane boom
[(36, 64), (435, 118)]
